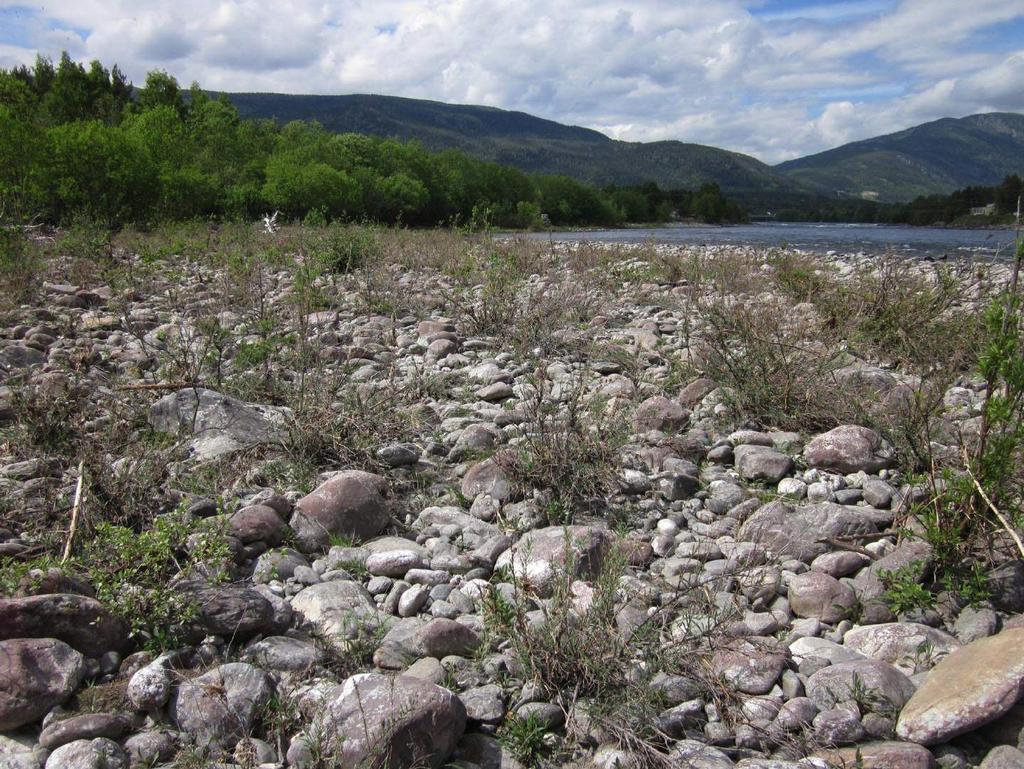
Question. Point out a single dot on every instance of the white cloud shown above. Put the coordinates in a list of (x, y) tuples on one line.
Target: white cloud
[(775, 83)]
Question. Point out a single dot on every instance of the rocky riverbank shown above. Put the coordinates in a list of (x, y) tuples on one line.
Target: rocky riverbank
[(495, 504)]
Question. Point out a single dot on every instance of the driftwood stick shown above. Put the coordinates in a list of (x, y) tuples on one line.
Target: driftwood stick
[(991, 506), (158, 386), (74, 513)]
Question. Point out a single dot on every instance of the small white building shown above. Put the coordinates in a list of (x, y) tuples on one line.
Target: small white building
[(984, 210)]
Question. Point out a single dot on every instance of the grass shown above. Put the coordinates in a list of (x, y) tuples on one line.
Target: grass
[(524, 738)]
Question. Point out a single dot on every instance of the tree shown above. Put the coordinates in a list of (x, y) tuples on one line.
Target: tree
[(162, 90), (22, 165), (296, 187), (101, 172), (70, 96)]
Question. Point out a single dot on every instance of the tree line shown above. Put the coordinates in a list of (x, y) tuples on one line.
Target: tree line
[(79, 142), (954, 208)]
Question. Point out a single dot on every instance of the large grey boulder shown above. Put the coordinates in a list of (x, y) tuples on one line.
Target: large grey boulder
[(660, 413), (219, 424), (802, 532), (409, 641), (865, 683), (220, 707), (16, 752), (973, 686), (257, 523), (233, 612), (488, 477), (81, 622), (393, 722), (1006, 586), (879, 755), (99, 753), (849, 449), (351, 504), (907, 646), (85, 727), (1003, 757), (541, 555), (822, 596), (761, 463), (35, 675), (339, 609), (749, 667), (283, 653), (150, 687)]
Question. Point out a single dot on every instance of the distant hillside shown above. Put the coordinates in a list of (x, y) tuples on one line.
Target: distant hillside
[(936, 157), (531, 143)]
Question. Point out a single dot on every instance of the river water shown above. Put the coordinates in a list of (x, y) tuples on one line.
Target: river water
[(936, 242)]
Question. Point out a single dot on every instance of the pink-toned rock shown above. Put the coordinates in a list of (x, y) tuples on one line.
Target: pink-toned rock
[(973, 686), (81, 622), (819, 595), (908, 646), (35, 675), (849, 449), (398, 721), (880, 755), (350, 504)]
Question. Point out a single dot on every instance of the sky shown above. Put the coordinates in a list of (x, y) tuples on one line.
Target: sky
[(776, 79)]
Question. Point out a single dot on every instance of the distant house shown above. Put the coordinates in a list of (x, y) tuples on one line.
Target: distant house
[(984, 210), (869, 195)]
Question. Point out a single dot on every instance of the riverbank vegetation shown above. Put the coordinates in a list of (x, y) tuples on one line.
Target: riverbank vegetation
[(83, 144)]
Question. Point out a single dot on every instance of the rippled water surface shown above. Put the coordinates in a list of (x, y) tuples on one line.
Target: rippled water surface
[(843, 238)]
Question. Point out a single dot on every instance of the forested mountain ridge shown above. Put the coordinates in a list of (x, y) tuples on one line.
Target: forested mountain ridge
[(529, 143), (932, 158)]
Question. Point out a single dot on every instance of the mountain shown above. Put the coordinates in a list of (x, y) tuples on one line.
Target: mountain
[(531, 143), (936, 157)]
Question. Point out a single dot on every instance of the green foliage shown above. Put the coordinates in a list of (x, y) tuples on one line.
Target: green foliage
[(161, 90), (649, 203), (19, 262), (346, 249), (972, 517), (777, 374), (569, 450), (72, 144), (133, 573), (23, 153), (101, 172), (524, 738), (904, 591)]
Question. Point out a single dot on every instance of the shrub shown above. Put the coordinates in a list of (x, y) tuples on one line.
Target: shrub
[(345, 249), (569, 449), (19, 263), (134, 573), (971, 517), (778, 371)]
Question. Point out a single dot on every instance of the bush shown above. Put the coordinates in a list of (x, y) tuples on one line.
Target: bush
[(569, 450), (20, 268), (345, 249), (779, 371), (135, 574), (972, 512)]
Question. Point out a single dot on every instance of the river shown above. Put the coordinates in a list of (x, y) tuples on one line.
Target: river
[(936, 242)]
